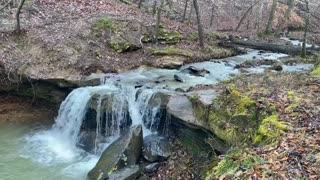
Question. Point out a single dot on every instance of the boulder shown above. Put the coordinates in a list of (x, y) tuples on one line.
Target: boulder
[(151, 167), (123, 152), (154, 114), (156, 148), (178, 78), (195, 71), (128, 173), (181, 108), (170, 62)]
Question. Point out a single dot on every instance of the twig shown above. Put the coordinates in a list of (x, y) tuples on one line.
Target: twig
[(2, 8)]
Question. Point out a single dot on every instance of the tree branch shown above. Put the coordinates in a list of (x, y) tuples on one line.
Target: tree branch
[(3, 7)]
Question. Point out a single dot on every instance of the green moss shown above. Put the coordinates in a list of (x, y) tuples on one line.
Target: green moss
[(165, 35), (234, 117), (215, 35), (233, 161), (201, 111), (193, 37), (212, 52), (294, 101), (104, 23), (169, 36), (120, 46), (316, 71), (291, 94), (170, 52), (269, 130)]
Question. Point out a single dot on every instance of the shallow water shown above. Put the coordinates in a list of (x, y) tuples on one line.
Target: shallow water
[(21, 159)]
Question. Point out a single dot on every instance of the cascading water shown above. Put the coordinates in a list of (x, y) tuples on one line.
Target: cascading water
[(114, 107)]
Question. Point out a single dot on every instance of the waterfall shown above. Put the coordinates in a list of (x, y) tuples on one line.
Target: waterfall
[(108, 109)]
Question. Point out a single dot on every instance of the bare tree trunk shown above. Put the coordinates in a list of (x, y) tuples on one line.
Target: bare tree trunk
[(286, 17), (246, 14), (170, 4), (212, 16), (154, 8), (306, 28), (259, 17), (158, 21), (200, 28), (18, 29), (140, 4), (185, 11), (271, 16), (190, 13)]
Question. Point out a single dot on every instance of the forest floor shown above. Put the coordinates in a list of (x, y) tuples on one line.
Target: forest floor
[(293, 153)]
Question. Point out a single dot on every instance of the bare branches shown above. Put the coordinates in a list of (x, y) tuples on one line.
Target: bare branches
[(3, 7), (246, 14)]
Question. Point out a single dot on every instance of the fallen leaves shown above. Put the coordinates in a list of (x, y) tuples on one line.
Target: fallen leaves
[(295, 154)]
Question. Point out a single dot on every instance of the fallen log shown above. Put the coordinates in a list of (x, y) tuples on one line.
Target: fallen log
[(286, 49)]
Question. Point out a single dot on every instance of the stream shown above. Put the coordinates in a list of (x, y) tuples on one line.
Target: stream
[(42, 152)]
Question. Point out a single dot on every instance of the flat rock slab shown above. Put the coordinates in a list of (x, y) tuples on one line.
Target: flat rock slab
[(122, 153), (128, 173)]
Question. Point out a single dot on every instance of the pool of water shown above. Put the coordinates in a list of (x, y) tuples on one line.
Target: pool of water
[(30, 152)]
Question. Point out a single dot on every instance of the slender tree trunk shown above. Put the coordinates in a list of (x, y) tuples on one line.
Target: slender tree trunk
[(212, 16), (140, 4), (158, 21), (18, 29), (154, 8), (246, 14), (306, 28), (185, 11), (271, 16), (259, 17), (200, 28), (170, 4), (190, 13), (286, 17)]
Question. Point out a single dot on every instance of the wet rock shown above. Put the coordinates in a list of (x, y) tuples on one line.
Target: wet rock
[(151, 167), (228, 64), (195, 71), (244, 71), (180, 90), (181, 108), (155, 148), (154, 116), (124, 152), (278, 66), (87, 140), (178, 78), (170, 62), (105, 106), (128, 173)]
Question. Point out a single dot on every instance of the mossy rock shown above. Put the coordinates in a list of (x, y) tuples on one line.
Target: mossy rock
[(171, 52), (316, 71), (169, 36), (269, 130), (120, 46), (234, 117), (165, 35)]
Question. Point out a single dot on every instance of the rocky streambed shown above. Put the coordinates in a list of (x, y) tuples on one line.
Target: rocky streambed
[(125, 120)]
